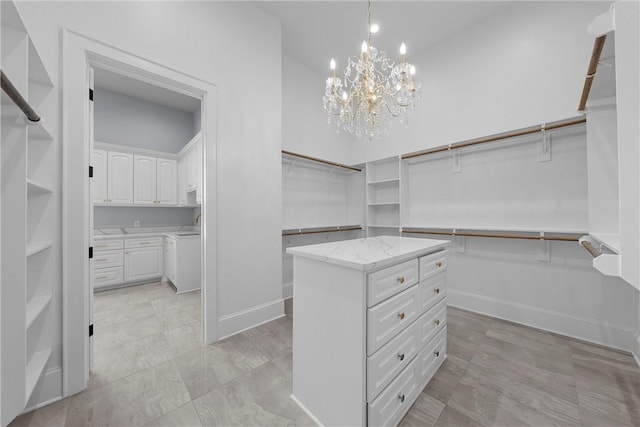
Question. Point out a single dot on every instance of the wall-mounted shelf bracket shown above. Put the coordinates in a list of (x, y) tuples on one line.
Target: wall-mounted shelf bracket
[(455, 157), (287, 175), (544, 146), (544, 253), (461, 244)]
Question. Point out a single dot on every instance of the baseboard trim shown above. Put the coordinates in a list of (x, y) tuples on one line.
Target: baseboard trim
[(242, 320), (47, 391), (601, 333), (287, 290), (306, 411)]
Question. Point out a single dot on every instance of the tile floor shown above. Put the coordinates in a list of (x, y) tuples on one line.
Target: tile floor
[(151, 369)]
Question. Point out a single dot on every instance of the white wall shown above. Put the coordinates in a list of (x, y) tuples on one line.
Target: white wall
[(237, 47), (304, 121), (125, 120), (523, 66)]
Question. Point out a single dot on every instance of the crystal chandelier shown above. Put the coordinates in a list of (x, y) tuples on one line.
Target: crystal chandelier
[(374, 90)]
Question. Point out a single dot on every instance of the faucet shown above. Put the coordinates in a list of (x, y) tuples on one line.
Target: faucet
[(197, 219)]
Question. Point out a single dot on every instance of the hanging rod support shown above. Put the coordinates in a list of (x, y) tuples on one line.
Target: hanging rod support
[(15, 96)]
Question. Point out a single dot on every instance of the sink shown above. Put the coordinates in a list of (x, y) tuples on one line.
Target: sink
[(186, 233)]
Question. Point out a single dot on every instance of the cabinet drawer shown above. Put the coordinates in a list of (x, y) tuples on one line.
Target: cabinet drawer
[(385, 364), (388, 282), (107, 245), (107, 276), (430, 359), (431, 322), (141, 243), (391, 405), (388, 318), (432, 290), (104, 259), (433, 264)]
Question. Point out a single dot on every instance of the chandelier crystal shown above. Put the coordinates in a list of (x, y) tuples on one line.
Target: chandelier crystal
[(373, 92)]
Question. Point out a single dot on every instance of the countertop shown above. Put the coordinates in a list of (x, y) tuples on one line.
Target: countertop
[(126, 234), (369, 253)]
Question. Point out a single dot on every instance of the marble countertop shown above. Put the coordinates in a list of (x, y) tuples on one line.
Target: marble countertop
[(142, 232), (369, 253)]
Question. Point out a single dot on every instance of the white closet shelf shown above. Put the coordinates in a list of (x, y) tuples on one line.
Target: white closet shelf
[(384, 204), (549, 230), (35, 307), (610, 240), (34, 370), (35, 247), (34, 187), (39, 131), (384, 181)]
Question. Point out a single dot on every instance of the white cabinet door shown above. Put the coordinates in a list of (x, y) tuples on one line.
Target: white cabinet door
[(142, 263), (182, 183), (198, 168), (191, 169), (120, 177), (166, 179), (144, 180), (170, 260), (99, 161)]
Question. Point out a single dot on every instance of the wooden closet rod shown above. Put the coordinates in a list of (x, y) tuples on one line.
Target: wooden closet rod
[(492, 235), (326, 162), (318, 231), (589, 247), (18, 99), (591, 71), (506, 135)]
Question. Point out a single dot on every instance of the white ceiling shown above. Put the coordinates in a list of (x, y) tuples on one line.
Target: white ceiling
[(315, 31), (119, 83)]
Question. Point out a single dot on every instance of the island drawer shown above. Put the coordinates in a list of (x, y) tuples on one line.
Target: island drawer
[(385, 364), (391, 405), (431, 322), (390, 281), (388, 318), (430, 358), (107, 245), (104, 259), (432, 290), (143, 242), (432, 264)]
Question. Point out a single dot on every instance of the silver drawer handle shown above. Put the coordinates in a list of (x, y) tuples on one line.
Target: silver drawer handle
[(101, 259), (401, 397), (144, 243), (401, 357), (437, 353), (101, 277)]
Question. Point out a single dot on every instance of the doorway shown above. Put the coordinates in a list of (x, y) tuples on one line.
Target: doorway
[(81, 56), (145, 222)]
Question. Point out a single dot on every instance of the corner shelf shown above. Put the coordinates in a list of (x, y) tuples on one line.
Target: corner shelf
[(35, 307), (34, 248), (610, 240), (34, 187), (34, 370), (384, 181)]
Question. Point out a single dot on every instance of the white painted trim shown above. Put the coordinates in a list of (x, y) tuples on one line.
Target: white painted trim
[(243, 320), (133, 150), (80, 52), (188, 145), (306, 411), (287, 290), (602, 333), (48, 390)]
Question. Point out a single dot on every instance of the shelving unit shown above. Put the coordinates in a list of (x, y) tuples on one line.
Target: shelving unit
[(609, 99), (29, 176), (383, 197)]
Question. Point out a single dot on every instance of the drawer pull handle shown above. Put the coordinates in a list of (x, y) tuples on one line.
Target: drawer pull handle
[(437, 322), (401, 315), (401, 397), (437, 353), (100, 259), (401, 279), (439, 264), (145, 243), (401, 357), (101, 277), (436, 290)]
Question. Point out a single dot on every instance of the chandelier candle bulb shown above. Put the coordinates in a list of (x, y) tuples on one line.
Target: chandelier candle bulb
[(364, 47), (403, 52)]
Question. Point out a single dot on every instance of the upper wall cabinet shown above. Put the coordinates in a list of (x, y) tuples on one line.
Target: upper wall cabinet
[(112, 180), (190, 172), (610, 99), (155, 181)]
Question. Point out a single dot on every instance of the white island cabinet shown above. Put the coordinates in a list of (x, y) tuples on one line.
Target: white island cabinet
[(369, 330)]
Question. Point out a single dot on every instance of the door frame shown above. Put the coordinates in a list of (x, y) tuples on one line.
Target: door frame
[(79, 53)]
